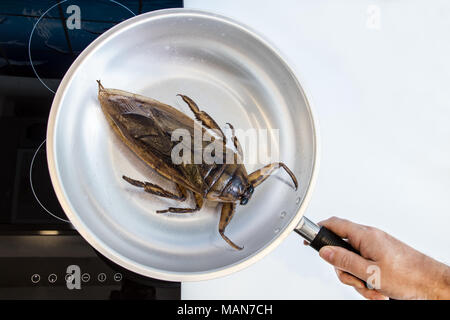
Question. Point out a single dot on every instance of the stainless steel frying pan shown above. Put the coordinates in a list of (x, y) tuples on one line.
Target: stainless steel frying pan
[(233, 74)]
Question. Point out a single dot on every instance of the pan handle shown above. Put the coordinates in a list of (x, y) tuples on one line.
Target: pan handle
[(320, 236)]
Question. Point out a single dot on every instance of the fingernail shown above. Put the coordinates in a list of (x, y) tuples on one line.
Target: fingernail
[(326, 253)]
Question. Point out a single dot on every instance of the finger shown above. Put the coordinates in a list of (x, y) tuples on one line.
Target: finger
[(348, 279), (371, 294), (346, 260), (342, 227), (346, 229), (306, 243)]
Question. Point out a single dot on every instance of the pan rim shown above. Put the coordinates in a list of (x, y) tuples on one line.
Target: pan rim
[(102, 247)]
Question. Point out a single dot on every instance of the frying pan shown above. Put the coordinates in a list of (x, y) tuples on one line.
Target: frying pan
[(233, 74)]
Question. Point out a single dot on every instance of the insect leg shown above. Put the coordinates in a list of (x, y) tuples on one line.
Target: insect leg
[(182, 190), (198, 206), (157, 190), (236, 142), (257, 177), (202, 116), (226, 215)]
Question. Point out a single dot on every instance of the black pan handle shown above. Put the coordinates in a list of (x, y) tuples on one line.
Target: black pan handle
[(326, 237), (319, 237)]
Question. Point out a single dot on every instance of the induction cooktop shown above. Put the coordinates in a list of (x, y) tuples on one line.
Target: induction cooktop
[(41, 255)]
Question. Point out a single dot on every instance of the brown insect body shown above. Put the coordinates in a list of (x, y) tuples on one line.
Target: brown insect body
[(146, 125)]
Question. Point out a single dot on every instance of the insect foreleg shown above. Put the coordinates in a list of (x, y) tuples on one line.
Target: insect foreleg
[(202, 116), (258, 177), (226, 215)]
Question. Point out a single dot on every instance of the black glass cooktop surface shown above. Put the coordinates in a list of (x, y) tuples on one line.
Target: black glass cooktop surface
[(39, 40)]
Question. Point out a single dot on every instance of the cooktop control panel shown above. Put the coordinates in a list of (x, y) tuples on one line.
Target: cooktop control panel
[(66, 267), (74, 273)]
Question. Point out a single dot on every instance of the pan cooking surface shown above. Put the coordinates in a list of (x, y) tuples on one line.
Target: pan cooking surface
[(234, 76)]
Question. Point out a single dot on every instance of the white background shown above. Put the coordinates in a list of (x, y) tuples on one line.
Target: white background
[(378, 73)]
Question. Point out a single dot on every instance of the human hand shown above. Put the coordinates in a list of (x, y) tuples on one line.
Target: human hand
[(393, 268)]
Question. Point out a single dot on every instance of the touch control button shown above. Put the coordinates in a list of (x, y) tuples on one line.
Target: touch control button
[(69, 277), (35, 278), (52, 278), (117, 277), (85, 277), (101, 277)]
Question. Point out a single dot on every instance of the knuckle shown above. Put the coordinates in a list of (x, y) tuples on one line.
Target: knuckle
[(373, 233), (344, 261), (335, 219), (331, 221)]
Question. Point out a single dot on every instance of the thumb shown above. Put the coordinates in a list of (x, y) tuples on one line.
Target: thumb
[(346, 260)]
